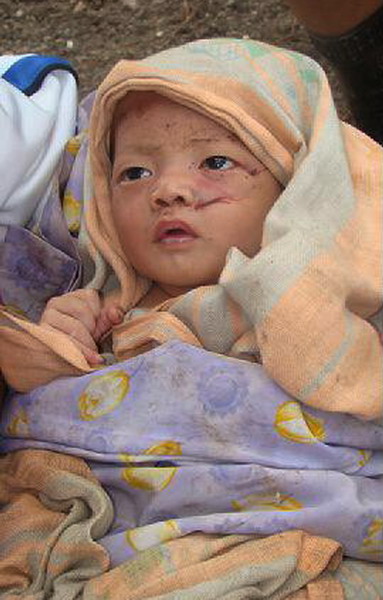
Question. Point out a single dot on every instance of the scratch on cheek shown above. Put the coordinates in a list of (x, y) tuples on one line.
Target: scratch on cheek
[(257, 170), (204, 203)]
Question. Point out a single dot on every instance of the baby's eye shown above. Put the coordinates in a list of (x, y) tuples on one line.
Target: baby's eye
[(218, 163), (133, 173)]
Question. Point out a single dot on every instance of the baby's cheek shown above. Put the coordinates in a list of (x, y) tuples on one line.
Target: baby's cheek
[(208, 188), (241, 184), (221, 188)]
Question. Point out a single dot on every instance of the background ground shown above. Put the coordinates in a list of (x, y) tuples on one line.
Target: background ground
[(94, 34)]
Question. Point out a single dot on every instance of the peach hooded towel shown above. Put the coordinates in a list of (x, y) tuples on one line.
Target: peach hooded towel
[(309, 304)]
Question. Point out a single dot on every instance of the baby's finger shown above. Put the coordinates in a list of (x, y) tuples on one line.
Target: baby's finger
[(72, 306), (115, 313), (109, 316), (71, 326), (88, 298), (91, 298), (92, 357), (103, 325)]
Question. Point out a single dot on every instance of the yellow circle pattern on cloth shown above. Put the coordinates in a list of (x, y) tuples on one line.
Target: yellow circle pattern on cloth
[(103, 394), (266, 501), (373, 542), (151, 478), (152, 535), (298, 425)]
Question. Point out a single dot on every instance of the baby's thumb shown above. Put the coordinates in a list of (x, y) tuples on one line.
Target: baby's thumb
[(109, 316)]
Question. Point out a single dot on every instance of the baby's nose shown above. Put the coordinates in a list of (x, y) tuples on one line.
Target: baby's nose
[(173, 190)]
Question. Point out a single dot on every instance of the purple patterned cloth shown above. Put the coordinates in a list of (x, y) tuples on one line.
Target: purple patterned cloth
[(42, 260), (185, 440)]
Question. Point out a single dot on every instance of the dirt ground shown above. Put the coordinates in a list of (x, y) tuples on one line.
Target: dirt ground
[(94, 34)]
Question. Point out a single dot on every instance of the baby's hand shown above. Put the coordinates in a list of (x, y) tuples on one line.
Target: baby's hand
[(80, 315)]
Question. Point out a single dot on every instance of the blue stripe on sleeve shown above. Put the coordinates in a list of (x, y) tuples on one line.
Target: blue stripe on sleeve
[(28, 73)]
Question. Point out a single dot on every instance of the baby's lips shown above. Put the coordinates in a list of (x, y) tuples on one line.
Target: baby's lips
[(165, 228)]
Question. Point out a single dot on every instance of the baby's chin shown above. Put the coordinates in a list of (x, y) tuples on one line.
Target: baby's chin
[(178, 281), (176, 286), (179, 288)]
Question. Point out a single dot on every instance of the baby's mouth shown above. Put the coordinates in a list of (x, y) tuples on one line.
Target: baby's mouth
[(173, 232)]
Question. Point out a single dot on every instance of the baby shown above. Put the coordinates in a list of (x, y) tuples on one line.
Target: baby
[(184, 190), (227, 206)]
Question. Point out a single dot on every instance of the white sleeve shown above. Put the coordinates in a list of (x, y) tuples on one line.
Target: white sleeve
[(34, 127)]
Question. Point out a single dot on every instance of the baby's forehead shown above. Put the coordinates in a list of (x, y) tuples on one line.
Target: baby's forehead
[(138, 102), (138, 107)]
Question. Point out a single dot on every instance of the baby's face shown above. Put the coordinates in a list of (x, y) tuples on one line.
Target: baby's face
[(184, 191)]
